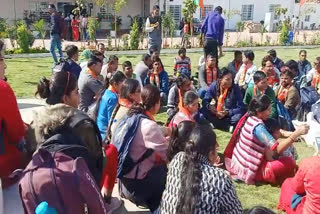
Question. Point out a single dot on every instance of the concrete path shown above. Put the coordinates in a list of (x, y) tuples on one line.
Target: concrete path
[(170, 51), (27, 107)]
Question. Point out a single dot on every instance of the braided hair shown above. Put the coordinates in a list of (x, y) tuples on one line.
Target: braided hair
[(198, 146), (179, 136)]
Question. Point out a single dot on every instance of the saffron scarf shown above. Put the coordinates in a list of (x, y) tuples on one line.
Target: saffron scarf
[(222, 98), (92, 74), (283, 92), (244, 73), (186, 112), (256, 91), (125, 102), (149, 115), (180, 99), (316, 80), (154, 78), (237, 65), (272, 78), (211, 75)]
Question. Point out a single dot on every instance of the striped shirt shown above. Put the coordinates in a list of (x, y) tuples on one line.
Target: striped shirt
[(217, 193)]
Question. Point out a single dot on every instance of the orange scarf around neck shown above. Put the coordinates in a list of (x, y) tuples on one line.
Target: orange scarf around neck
[(113, 90), (148, 113), (221, 99), (186, 112), (256, 91), (211, 74), (125, 102), (283, 92), (180, 100), (237, 65), (154, 78), (316, 80), (92, 74), (244, 73)]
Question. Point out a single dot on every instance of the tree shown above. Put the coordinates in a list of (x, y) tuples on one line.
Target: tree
[(25, 38), (118, 4), (93, 25), (41, 27), (188, 10), (168, 26), (134, 36)]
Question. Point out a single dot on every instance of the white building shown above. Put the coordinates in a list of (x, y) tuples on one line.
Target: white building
[(248, 10), (253, 10)]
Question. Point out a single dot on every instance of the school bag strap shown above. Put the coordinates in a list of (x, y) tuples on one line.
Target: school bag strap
[(122, 139)]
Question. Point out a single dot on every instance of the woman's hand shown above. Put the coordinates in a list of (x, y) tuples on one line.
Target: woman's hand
[(217, 162), (302, 130)]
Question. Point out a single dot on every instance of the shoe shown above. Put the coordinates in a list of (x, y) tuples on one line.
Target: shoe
[(115, 204)]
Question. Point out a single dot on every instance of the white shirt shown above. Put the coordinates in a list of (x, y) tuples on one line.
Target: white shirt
[(249, 75)]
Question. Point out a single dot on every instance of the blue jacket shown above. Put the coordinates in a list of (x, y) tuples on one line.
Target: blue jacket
[(108, 102), (304, 67), (233, 102), (164, 82), (54, 24), (213, 27)]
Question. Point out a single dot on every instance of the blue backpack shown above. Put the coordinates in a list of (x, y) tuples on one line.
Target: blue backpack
[(122, 139), (284, 117)]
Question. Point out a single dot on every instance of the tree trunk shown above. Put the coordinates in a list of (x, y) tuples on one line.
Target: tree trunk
[(191, 33), (115, 30), (44, 46)]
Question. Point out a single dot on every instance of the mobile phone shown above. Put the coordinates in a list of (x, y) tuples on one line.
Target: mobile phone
[(318, 143)]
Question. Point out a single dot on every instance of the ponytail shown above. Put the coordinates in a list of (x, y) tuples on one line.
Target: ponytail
[(107, 140)]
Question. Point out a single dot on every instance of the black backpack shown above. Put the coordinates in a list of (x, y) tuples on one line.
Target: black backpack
[(70, 144), (62, 65)]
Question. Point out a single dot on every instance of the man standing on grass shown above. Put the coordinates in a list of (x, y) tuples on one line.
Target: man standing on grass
[(153, 27), (213, 30), (55, 33)]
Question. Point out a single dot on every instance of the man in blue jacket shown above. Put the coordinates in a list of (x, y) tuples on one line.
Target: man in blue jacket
[(73, 56), (55, 33), (213, 30)]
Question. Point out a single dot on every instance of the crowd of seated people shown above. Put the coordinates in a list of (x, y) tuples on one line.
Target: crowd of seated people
[(174, 167)]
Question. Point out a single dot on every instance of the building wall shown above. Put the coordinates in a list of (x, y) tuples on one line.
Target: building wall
[(260, 8)]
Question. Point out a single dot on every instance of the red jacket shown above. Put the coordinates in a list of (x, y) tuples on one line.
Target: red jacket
[(13, 130)]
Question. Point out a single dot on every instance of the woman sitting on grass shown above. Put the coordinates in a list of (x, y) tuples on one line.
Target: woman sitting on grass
[(144, 183), (194, 184), (255, 152), (108, 101), (222, 105), (188, 110)]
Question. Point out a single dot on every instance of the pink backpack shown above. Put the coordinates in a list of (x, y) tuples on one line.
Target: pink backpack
[(66, 184)]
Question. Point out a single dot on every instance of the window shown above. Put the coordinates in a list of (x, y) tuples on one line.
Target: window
[(206, 9), (39, 10), (106, 14), (247, 12), (272, 9), (61, 5), (307, 18), (175, 11)]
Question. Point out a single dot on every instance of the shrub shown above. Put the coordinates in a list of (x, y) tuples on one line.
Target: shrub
[(240, 44), (315, 40), (125, 41), (284, 33), (134, 36), (25, 38)]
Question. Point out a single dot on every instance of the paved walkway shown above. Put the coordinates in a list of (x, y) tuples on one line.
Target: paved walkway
[(171, 51), (27, 107)]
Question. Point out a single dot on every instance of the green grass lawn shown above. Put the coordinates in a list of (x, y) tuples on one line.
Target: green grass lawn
[(24, 74)]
